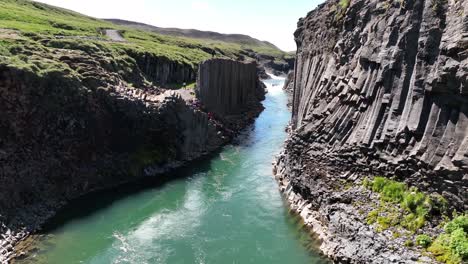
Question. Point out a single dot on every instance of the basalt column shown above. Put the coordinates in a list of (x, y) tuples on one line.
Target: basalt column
[(227, 87), (230, 90)]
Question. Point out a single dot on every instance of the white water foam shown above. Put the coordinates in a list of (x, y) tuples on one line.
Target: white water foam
[(139, 246), (274, 85), (274, 77)]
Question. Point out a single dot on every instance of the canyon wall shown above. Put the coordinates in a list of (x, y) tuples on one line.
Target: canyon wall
[(380, 88), (383, 90), (163, 71), (227, 87), (60, 136), (231, 90)]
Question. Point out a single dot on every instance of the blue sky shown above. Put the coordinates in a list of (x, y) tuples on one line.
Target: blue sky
[(271, 20)]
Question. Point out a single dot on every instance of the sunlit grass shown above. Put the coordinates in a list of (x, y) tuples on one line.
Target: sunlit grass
[(46, 22)]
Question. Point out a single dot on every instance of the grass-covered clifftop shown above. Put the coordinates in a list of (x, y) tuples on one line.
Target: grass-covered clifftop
[(31, 31), (236, 42)]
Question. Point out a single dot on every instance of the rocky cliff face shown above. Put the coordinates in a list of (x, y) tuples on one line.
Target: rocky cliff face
[(230, 89), (384, 89), (379, 89)]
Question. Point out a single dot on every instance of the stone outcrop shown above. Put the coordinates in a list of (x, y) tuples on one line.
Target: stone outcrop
[(379, 89), (280, 68), (229, 89)]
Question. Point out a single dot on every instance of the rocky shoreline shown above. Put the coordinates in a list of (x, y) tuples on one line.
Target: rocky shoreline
[(337, 216)]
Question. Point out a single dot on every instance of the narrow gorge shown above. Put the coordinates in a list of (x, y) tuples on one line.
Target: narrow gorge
[(124, 142)]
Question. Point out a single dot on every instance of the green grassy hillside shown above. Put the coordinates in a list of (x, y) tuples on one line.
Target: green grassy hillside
[(206, 37), (31, 28)]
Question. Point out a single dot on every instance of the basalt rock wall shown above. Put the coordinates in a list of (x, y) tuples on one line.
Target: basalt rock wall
[(59, 136), (163, 71), (381, 88), (227, 87)]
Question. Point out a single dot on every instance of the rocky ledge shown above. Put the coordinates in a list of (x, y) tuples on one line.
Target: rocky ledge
[(379, 89)]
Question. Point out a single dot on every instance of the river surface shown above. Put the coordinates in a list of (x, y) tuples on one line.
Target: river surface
[(226, 209)]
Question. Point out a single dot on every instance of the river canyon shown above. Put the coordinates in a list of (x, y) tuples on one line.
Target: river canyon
[(226, 209), (124, 142)]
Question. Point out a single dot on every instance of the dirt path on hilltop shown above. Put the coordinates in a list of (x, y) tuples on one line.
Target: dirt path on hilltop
[(114, 35)]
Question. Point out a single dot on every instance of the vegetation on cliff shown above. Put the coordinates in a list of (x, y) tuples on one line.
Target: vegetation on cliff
[(452, 245), (210, 39), (410, 209), (417, 207)]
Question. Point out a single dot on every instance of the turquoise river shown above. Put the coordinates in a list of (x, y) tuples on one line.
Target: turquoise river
[(226, 209)]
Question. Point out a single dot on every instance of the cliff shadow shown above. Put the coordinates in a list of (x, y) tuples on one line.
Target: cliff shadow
[(93, 202)]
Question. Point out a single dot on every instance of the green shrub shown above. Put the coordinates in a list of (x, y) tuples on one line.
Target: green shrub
[(413, 222), (344, 4), (449, 247), (439, 204), (341, 9), (417, 205), (423, 240), (452, 246), (372, 217), (412, 200), (459, 243), (384, 222), (459, 222), (378, 184), (393, 191)]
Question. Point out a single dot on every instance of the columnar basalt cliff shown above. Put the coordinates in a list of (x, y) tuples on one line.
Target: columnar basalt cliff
[(230, 89), (380, 88), (163, 71)]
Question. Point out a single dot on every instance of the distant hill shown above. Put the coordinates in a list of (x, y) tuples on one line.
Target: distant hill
[(194, 33)]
